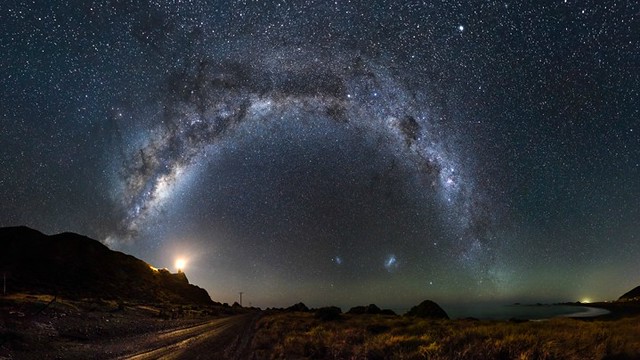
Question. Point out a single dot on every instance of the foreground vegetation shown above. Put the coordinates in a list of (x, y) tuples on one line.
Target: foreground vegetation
[(301, 335)]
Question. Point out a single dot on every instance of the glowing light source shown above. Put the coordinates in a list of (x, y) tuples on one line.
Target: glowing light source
[(180, 264), (585, 300)]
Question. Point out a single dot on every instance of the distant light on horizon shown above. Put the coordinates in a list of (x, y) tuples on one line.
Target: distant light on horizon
[(585, 300)]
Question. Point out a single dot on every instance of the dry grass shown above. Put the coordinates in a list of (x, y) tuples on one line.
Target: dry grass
[(300, 336)]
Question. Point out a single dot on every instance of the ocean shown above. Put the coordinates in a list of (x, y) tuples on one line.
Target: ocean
[(528, 312), (505, 312)]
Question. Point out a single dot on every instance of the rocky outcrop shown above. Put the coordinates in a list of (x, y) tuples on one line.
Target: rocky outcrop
[(632, 295), (76, 266), (369, 309), (297, 307), (428, 309)]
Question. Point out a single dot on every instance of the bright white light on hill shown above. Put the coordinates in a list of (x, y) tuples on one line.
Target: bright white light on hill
[(180, 264)]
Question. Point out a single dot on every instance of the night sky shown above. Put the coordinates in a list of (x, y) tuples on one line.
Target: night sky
[(334, 152)]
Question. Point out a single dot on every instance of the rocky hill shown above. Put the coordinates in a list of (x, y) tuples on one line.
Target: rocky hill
[(427, 309), (75, 266), (631, 295)]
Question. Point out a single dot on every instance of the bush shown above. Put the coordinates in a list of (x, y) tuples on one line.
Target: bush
[(328, 313)]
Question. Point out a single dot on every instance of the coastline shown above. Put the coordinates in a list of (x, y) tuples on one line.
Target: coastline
[(497, 312), (618, 309), (590, 312)]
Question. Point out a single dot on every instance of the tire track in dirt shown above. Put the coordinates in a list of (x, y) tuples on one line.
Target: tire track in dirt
[(213, 339)]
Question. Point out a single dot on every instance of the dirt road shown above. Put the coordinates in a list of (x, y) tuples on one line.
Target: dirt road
[(124, 336), (225, 338)]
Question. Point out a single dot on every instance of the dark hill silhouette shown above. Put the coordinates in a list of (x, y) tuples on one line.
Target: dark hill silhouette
[(633, 294), (76, 266), (371, 309), (428, 309), (297, 307)]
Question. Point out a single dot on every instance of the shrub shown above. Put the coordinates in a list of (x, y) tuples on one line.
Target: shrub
[(328, 313)]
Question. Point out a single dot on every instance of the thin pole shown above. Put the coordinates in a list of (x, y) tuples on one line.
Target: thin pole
[(241, 298)]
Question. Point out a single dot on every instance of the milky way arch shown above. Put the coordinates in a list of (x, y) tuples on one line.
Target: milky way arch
[(208, 99)]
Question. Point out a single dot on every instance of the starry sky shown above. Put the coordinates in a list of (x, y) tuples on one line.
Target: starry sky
[(334, 152)]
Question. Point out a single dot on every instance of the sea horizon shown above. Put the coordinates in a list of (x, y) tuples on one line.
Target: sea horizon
[(497, 311)]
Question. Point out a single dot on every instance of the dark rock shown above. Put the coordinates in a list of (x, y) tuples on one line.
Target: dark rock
[(298, 307), (369, 309), (357, 310), (328, 313), (75, 266), (632, 295), (428, 309)]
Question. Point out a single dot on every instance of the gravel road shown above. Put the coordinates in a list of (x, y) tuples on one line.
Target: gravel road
[(83, 330), (217, 339)]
